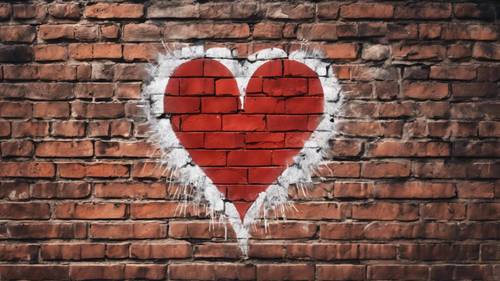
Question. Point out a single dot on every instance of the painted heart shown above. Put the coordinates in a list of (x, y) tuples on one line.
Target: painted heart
[(243, 145)]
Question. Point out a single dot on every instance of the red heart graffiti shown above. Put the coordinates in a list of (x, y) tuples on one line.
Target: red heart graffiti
[(243, 150)]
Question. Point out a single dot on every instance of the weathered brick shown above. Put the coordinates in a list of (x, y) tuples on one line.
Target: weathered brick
[(17, 33), (69, 10), (203, 31), (65, 149), (166, 10), (362, 10), (114, 11)]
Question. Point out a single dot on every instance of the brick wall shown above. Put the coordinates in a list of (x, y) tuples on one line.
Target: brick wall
[(411, 190)]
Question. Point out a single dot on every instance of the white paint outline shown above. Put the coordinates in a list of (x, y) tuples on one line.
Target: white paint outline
[(177, 158)]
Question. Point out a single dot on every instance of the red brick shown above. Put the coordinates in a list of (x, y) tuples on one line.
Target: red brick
[(419, 52), (488, 51), (443, 211), (27, 169), (69, 10), (150, 170), (473, 11), (267, 30), (328, 10), (72, 251), (362, 10), (34, 272), (59, 72), (227, 175), (130, 190), (490, 252), (214, 271), (17, 33), (385, 169), (459, 51), (223, 140), (219, 105), (385, 211), (95, 271), (118, 250), (49, 110), (285, 86), (72, 190), (128, 91), (124, 149), (50, 52), (249, 158), (285, 272), (266, 250), (218, 250), (202, 122), (204, 31), (264, 140), (243, 122), (20, 72), (14, 191), (208, 157), (168, 249), (15, 109), (475, 189), (314, 211), (402, 272), (429, 31), (125, 231), (290, 11), (198, 230), (414, 189), (424, 90), (145, 271), (339, 169), (114, 10), (182, 104), (264, 175), (65, 149), (352, 190), (469, 32), (244, 193), (164, 210), (283, 157), (106, 170), (287, 123), (484, 211), (453, 72), (46, 230), (423, 11), (68, 129), (17, 148), (317, 31), (227, 87), (56, 31), (18, 252), (408, 149), (18, 211), (5, 129), (141, 32), (340, 272), (90, 211)]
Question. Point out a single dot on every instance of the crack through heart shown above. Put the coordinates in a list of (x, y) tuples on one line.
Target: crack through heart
[(243, 148)]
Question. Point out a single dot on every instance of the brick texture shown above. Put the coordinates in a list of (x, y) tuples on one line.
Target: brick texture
[(410, 189)]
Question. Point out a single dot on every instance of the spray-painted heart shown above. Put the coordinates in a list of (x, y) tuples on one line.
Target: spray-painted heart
[(243, 148)]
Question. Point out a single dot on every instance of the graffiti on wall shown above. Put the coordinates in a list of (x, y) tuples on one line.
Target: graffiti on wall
[(238, 132)]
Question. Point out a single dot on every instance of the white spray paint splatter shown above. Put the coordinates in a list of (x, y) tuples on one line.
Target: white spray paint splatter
[(188, 174)]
